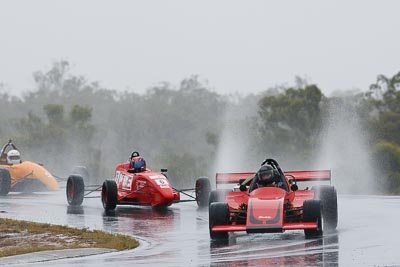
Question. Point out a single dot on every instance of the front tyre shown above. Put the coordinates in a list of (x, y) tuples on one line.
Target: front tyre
[(109, 195), (218, 215), (202, 189), (312, 211), (75, 190)]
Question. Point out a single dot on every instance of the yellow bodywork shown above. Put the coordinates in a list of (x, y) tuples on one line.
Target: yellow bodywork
[(29, 170)]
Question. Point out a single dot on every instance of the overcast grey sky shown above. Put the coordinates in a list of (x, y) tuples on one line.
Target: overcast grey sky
[(243, 46)]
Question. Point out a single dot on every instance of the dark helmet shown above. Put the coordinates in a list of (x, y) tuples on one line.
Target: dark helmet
[(138, 164), (265, 175)]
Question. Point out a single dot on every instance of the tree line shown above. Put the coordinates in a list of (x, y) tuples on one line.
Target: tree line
[(193, 131)]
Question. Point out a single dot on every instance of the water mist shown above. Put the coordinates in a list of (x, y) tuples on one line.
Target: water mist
[(344, 150), (236, 151)]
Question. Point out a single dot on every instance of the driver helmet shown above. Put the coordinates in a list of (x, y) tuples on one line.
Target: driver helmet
[(138, 164), (13, 157), (265, 175)]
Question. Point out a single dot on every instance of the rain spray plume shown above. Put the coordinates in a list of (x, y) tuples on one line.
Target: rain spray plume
[(236, 151), (344, 149)]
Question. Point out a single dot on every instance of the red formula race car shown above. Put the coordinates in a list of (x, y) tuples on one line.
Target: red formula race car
[(135, 185), (272, 209)]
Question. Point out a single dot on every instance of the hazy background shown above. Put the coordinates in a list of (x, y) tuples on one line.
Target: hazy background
[(235, 45), (205, 87)]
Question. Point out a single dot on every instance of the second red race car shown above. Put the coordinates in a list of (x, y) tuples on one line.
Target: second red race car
[(135, 184), (276, 207)]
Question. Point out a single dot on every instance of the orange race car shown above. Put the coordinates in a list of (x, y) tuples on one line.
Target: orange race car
[(22, 176)]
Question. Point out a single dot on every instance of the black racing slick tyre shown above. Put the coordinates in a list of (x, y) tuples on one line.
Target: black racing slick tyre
[(218, 195), (312, 211), (202, 190), (5, 182), (218, 215), (328, 196), (75, 190), (109, 195)]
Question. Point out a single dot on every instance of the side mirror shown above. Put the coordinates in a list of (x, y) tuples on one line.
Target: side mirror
[(164, 170), (243, 188), (131, 171)]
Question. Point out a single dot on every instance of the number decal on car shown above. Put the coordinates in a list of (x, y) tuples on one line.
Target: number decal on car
[(123, 181)]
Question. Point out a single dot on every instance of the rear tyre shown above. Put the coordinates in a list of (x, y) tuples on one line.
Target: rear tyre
[(5, 182), (218, 215), (109, 195), (202, 189), (328, 196), (75, 190), (218, 195), (312, 211)]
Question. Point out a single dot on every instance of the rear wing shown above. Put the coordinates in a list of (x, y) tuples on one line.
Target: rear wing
[(232, 178), (305, 176), (301, 176)]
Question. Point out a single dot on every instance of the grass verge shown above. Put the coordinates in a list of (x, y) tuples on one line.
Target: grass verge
[(19, 237)]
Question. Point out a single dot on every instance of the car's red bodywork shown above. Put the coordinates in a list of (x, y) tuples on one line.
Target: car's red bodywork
[(267, 209), (131, 186), (143, 188)]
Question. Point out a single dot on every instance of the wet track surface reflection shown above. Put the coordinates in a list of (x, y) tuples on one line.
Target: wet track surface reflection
[(367, 234)]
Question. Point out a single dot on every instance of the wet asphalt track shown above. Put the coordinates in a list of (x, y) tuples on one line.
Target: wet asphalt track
[(368, 235)]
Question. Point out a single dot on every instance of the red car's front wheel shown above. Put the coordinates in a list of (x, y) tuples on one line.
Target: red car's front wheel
[(109, 195), (218, 215), (312, 211)]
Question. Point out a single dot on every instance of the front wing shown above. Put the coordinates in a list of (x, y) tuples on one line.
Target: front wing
[(265, 229)]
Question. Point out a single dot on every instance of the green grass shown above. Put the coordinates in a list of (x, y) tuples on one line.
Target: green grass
[(19, 237)]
